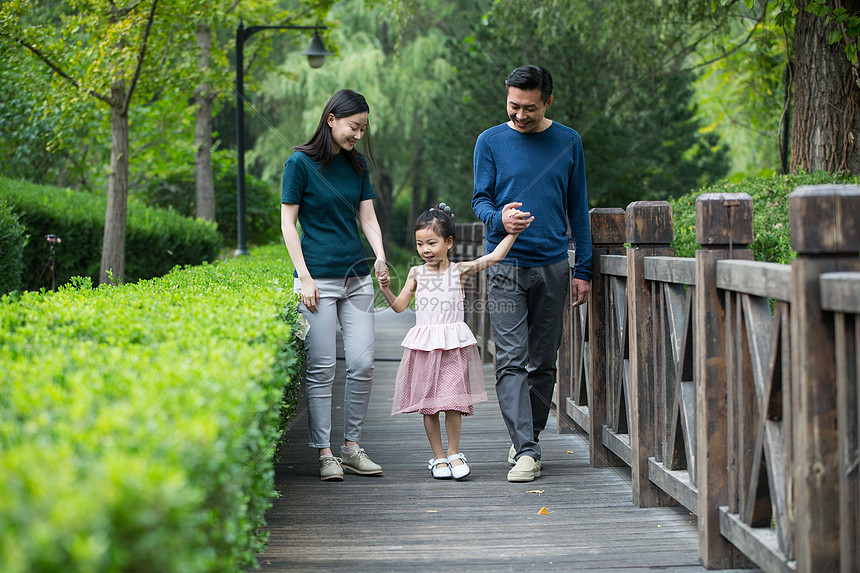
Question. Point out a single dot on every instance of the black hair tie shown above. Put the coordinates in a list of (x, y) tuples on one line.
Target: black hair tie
[(443, 207)]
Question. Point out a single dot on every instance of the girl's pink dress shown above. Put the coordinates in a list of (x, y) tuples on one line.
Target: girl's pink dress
[(440, 369)]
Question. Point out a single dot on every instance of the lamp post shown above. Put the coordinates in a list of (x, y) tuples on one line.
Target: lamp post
[(316, 54)]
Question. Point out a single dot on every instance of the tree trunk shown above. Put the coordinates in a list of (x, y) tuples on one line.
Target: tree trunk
[(203, 181), (826, 118), (113, 247)]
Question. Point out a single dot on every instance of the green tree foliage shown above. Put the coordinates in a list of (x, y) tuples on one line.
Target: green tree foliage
[(433, 74), (64, 138), (407, 82), (743, 91), (37, 141), (819, 90), (627, 94), (105, 66)]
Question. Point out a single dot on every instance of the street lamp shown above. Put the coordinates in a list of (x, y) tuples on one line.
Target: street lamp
[(316, 54)]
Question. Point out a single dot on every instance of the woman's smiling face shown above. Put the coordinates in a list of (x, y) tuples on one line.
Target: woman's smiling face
[(346, 131)]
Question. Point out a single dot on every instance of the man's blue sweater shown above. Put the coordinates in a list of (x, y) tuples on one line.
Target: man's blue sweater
[(545, 171)]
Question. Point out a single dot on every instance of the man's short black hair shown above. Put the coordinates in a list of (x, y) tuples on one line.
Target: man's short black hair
[(531, 77)]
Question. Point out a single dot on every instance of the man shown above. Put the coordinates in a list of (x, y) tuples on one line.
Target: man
[(536, 164)]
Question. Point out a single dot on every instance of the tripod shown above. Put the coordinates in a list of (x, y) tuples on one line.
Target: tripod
[(53, 240)]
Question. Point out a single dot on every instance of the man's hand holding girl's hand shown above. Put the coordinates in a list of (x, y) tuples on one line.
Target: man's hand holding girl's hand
[(514, 220)]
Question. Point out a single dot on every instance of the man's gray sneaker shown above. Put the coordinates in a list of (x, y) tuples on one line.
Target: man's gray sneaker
[(527, 469), (359, 463), (330, 469), (511, 453)]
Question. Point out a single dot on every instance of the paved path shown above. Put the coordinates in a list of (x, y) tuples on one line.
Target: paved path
[(406, 521)]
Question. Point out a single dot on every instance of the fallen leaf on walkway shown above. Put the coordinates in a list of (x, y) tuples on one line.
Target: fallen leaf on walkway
[(569, 452), (537, 491), (543, 511), (432, 511)]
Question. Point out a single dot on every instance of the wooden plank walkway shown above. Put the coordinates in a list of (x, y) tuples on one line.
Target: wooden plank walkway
[(405, 520)]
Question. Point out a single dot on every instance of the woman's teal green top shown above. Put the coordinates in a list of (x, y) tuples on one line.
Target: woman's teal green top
[(328, 207)]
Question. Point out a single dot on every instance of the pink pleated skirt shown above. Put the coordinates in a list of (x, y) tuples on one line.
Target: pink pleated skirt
[(431, 381)]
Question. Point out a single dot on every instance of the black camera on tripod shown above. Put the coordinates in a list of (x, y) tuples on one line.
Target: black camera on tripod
[(53, 241)]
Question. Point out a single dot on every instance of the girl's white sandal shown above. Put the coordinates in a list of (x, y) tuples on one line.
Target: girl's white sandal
[(440, 473), (459, 471)]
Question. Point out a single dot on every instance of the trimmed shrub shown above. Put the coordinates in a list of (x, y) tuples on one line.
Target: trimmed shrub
[(156, 240), (138, 423), (770, 212), (262, 203), (13, 239)]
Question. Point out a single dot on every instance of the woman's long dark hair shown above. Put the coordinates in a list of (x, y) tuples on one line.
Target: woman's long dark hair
[(343, 103)]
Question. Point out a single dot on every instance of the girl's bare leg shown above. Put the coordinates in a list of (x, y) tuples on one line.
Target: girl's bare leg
[(434, 434), (453, 423)]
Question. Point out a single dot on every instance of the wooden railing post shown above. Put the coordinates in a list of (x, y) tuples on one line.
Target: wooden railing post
[(608, 235), (723, 231), (825, 232), (566, 369), (649, 232), (482, 322)]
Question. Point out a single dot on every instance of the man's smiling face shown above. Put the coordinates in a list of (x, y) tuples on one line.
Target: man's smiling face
[(526, 110)]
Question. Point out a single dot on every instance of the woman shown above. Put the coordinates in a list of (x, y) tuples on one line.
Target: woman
[(326, 184)]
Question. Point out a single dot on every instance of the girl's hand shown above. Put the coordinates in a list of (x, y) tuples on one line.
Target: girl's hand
[(310, 296)]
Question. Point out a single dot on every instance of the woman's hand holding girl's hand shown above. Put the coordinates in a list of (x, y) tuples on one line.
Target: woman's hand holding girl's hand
[(384, 280), (381, 268), (310, 295)]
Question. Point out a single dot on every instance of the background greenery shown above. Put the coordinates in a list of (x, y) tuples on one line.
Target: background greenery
[(137, 421), (685, 96), (13, 240), (157, 240), (770, 212), (175, 190)]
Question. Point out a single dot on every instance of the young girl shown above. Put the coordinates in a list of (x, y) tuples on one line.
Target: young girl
[(441, 370)]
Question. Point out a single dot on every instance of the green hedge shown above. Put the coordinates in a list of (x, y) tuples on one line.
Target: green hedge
[(262, 203), (156, 240), (138, 423), (770, 212), (13, 239)]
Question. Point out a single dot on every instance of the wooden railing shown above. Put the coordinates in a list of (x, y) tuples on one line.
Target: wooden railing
[(727, 385), (469, 245)]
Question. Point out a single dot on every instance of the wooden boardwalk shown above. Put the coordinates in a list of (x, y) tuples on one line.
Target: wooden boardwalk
[(406, 521)]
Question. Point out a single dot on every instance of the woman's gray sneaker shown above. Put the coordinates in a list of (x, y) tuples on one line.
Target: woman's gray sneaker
[(330, 469), (359, 463)]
